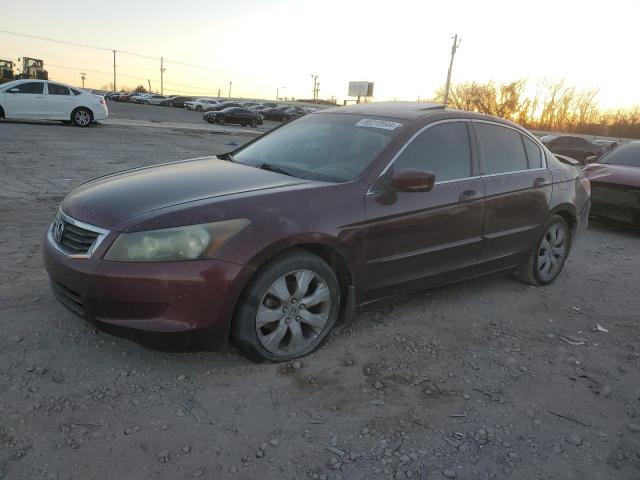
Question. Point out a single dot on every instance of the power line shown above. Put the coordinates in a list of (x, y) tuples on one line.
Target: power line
[(84, 45)]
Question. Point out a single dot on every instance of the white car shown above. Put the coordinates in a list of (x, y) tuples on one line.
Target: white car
[(155, 99), (40, 99), (201, 104)]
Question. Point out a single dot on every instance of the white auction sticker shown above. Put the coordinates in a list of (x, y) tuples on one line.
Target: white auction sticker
[(384, 124)]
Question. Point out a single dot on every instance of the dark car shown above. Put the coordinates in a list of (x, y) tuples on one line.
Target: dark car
[(572, 146), (237, 115), (607, 144), (275, 114), (176, 101), (270, 243), (222, 106), (615, 185), (295, 112)]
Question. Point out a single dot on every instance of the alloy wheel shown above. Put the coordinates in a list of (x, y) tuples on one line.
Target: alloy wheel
[(293, 312), (82, 118), (552, 252)]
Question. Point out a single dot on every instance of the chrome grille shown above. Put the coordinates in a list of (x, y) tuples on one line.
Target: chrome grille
[(74, 238)]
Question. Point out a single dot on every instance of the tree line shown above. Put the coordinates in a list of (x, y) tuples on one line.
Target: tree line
[(548, 106)]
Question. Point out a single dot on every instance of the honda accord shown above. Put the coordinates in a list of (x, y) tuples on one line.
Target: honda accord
[(269, 244)]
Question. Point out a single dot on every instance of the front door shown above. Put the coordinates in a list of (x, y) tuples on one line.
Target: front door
[(25, 100), (418, 239)]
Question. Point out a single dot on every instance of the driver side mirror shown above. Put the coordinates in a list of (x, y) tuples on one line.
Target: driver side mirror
[(413, 180)]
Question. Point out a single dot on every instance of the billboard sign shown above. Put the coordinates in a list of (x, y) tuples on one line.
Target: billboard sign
[(360, 89)]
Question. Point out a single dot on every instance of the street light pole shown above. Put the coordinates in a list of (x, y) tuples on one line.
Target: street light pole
[(115, 89), (230, 83), (83, 76), (278, 92), (162, 69)]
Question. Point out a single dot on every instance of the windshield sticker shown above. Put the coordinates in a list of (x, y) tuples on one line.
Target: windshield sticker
[(384, 124)]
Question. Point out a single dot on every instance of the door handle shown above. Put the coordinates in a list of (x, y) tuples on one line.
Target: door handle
[(467, 195), (539, 182)]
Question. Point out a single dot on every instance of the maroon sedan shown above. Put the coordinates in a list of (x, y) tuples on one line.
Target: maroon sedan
[(269, 244), (615, 183)]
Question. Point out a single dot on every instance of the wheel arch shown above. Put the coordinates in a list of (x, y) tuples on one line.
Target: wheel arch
[(568, 212), (2, 115), (327, 248), (89, 109)]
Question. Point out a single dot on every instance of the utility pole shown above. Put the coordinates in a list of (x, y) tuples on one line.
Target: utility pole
[(218, 94), (115, 88), (278, 92), (316, 87), (230, 83), (83, 76), (162, 69), (454, 47), (149, 82)]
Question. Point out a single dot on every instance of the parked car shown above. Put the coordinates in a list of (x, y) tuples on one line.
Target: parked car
[(275, 114), (295, 112), (607, 144), (572, 146), (257, 108), (175, 101), (140, 98), (34, 99), (201, 104), (615, 185), (237, 115), (249, 104), (123, 97), (269, 243), (221, 106), (270, 104), (155, 100)]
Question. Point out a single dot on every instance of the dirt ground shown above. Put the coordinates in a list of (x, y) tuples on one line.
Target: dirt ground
[(485, 379)]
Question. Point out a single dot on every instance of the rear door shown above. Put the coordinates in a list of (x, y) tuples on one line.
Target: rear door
[(59, 102), (27, 102), (418, 239), (518, 192)]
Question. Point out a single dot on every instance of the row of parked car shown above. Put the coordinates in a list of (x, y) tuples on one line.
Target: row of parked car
[(578, 148), (217, 111)]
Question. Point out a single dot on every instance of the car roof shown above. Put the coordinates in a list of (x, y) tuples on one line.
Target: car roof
[(404, 110)]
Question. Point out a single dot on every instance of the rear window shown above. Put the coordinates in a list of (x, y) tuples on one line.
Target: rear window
[(502, 149)]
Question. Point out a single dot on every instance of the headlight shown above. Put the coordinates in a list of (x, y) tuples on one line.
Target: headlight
[(174, 244)]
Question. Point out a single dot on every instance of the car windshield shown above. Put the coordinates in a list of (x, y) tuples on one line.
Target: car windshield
[(627, 155), (325, 147)]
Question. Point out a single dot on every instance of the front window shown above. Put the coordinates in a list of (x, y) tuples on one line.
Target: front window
[(626, 155), (30, 87), (324, 147)]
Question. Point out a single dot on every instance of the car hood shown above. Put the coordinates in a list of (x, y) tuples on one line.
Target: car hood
[(109, 201), (613, 174)]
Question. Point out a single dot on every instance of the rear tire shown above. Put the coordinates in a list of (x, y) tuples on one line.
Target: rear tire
[(254, 123), (272, 322), (198, 108), (81, 117), (170, 104), (220, 120), (548, 254)]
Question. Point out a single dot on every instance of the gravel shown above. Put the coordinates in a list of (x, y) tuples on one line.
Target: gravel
[(73, 399)]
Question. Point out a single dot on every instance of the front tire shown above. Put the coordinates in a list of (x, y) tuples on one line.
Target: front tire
[(198, 108), (254, 123), (81, 117), (288, 308), (549, 253), (220, 120)]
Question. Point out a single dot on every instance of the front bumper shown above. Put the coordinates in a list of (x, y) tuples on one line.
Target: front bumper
[(164, 298)]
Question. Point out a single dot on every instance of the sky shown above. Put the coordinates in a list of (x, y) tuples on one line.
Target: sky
[(403, 46)]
